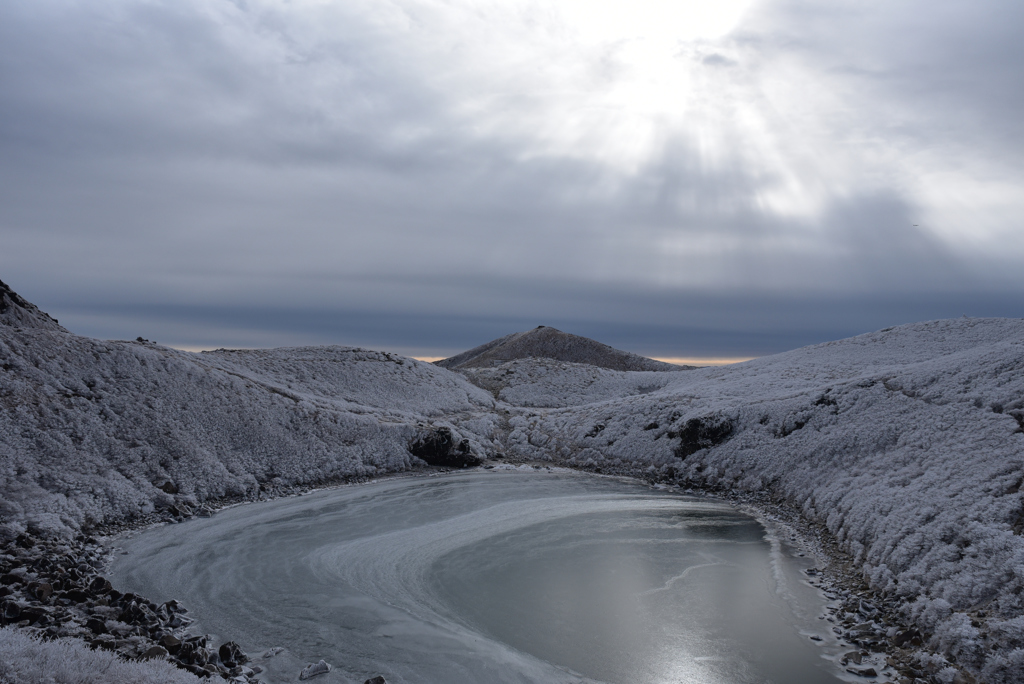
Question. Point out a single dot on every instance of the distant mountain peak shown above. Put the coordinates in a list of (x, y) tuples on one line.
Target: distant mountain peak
[(18, 312), (551, 343)]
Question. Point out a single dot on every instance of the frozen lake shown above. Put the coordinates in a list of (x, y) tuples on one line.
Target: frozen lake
[(491, 576)]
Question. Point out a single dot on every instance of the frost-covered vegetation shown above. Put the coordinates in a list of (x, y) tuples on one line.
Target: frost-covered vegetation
[(25, 659), (906, 444), (547, 383), (95, 432)]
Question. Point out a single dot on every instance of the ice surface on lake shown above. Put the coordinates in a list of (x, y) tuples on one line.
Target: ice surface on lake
[(496, 577)]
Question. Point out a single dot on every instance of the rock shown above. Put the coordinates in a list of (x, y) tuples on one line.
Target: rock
[(852, 657), (701, 433), (41, 590), (10, 611), (173, 606), (191, 653), (231, 654), (862, 672), (198, 640), (376, 680), (323, 667), (96, 626), (181, 510), (437, 447), (35, 615), (867, 608), (154, 652), (99, 586), (76, 596), (11, 578), (104, 641), (906, 636), (177, 621), (170, 642)]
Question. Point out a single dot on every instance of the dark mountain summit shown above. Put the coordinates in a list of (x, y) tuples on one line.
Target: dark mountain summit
[(545, 342), (20, 313)]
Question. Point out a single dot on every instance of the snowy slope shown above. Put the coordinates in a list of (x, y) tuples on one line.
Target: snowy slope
[(357, 378), (548, 383), (90, 429)]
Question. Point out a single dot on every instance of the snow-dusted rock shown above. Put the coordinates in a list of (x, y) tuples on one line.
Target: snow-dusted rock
[(16, 312), (310, 671)]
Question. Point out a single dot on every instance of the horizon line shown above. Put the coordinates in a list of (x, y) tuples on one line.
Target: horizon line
[(675, 360)]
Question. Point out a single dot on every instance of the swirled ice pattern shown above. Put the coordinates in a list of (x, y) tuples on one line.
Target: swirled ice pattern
[(493, 577)]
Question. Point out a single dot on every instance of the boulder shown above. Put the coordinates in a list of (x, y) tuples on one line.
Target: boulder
[(41, 590), (10, 611), (231, 654), (438, 448), (310, 671), (76, 596), (99, 586), (36, 615), (96, 626), (862, 672), (154, 652), (170, 642)]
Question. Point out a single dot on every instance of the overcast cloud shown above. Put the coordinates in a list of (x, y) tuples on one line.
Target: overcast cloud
[(424, 175)]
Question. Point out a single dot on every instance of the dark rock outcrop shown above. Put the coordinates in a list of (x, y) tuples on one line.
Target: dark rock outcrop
[(701, 433), (20, 313), (438, 448), (231, 654), (549, 343)]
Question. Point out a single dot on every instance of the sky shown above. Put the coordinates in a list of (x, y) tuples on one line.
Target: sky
[(680, 179)]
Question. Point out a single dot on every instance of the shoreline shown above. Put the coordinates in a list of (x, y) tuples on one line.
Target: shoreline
[(882, 648)]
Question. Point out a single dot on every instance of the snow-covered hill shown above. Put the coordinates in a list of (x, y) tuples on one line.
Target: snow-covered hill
[(906, 444), (548, 383), (95, 432)]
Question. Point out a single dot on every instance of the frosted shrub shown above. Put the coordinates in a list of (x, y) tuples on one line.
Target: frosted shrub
[(27, 660)]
